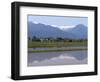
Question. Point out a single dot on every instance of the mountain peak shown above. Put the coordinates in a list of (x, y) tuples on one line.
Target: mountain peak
[(80, 25), (42, 30)]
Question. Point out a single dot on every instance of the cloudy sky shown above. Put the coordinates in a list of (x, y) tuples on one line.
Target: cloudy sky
[(59, 21)]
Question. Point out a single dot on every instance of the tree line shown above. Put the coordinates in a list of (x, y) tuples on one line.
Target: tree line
[(34, 38)]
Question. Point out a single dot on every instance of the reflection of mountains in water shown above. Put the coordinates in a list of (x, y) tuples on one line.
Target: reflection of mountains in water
[(57, 58), (43, 31)]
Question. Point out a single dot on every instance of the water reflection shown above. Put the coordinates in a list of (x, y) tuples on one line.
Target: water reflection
[(57, 58)]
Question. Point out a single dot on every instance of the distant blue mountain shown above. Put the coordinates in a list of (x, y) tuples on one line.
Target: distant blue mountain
[(42, 31), (80, 31)]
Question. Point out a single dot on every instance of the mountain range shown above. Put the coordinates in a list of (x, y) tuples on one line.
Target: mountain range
[(42, 31)]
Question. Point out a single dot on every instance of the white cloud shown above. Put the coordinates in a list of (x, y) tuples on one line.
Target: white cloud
[(35, 22), (54, 25), (65, 27)]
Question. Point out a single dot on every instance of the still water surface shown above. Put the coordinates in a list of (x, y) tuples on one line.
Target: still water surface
[(57, 58)]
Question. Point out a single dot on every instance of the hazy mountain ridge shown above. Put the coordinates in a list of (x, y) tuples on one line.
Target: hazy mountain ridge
[(79, 30), (42, 30)]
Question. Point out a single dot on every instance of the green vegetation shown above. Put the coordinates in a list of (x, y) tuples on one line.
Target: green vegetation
[(55, 42), (39, 51), (49, 44)]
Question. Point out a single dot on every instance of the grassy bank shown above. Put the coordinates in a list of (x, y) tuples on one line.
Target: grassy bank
[(40, 51), (35, 44)]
